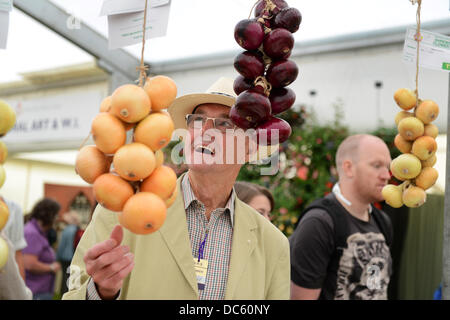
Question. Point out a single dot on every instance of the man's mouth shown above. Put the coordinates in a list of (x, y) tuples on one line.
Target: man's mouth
[(204, 150)]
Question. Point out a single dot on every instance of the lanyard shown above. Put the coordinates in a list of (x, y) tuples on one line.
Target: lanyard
[(202, 247)]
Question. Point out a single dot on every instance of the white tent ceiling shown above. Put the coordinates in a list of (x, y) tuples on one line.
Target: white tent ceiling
[(199, 27)]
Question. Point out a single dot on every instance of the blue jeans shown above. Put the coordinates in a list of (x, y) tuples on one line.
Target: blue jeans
[(43, 296)]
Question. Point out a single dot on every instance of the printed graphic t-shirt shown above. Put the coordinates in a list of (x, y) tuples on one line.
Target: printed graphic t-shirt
[(364, 267)]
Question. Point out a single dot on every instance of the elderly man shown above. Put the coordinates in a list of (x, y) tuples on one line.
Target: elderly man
[(340, 249), (211, 246)]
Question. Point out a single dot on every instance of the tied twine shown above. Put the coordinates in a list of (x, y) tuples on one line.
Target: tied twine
[(269, 7), (262, 81), (85, 140), (418, 39), (143, 68), (405, 185)]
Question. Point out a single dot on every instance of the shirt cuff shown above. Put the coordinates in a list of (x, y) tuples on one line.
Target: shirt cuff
[(92, 293), (21, 245)]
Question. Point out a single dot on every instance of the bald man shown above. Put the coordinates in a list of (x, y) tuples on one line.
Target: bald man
[(340, 248)]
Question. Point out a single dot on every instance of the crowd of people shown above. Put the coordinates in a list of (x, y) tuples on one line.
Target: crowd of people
[(340, 248)]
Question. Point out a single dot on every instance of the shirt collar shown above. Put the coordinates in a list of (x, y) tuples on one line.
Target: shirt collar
[(337, 192), (189, 197)]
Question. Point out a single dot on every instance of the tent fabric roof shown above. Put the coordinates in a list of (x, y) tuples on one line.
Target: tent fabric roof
[(201, 27)]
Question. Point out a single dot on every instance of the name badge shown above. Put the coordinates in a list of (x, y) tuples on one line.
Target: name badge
[(201, 267)]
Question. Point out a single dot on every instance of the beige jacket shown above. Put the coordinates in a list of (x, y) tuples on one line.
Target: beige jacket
[(164, 268)]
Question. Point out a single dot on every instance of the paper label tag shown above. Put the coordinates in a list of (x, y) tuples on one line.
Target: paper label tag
[(158, 3), (434, 50), (4, 26), (201, 268), (6, 5), (126, 29), (111, 7)]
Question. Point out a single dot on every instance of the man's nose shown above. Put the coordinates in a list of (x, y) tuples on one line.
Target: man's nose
[(209, 124), (386, 174)]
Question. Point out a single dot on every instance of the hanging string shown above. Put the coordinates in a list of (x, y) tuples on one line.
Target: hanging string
[(143, 68), (262, 81), (418, 38), (85, 140), (250, 15), (269, 6)]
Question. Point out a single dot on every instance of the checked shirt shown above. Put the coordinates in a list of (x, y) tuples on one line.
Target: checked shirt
[(217, 248)]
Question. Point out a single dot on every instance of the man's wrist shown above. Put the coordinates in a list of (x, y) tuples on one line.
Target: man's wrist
[(93, 292), (107, 294)]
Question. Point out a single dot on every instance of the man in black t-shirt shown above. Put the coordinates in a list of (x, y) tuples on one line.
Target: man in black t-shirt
[(340, 248)]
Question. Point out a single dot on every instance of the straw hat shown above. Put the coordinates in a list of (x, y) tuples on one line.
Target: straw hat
[(221, 92)]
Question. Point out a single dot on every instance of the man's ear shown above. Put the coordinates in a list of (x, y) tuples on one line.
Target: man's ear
[(347, 168)]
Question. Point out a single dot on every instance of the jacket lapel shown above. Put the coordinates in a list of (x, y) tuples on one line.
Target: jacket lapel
[(243, 244), (175, 233)]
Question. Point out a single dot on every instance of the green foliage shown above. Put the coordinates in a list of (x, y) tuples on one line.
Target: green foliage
[(306, 166), (388, 136)]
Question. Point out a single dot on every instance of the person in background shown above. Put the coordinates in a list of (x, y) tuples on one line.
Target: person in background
[(340, 248), (39, 257), (14, 232), (82, 227), (52, 236), (256, 196), (66, 246), (12, 286)]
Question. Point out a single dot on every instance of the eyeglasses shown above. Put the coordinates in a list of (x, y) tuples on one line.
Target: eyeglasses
[(221, 124)]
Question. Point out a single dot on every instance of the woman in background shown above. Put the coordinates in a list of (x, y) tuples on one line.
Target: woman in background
[(39, 257), (256, 196)]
